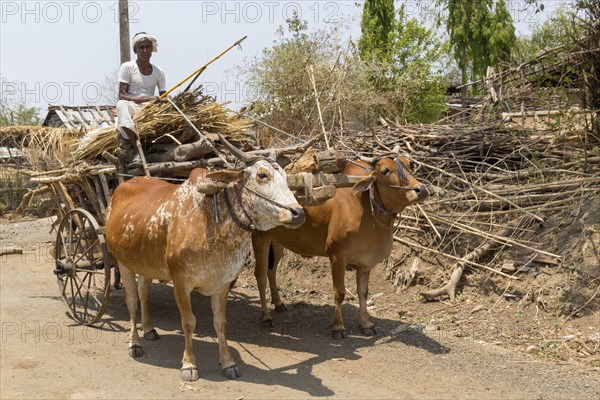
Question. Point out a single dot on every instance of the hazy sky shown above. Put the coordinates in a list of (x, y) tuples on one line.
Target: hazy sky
[(62, 52)]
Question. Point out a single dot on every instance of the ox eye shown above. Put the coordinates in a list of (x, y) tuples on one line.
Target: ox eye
[(386, 171), (262, 175)]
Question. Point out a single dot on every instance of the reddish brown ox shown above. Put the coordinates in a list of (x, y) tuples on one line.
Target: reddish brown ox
[(197, 235), (354, 228)]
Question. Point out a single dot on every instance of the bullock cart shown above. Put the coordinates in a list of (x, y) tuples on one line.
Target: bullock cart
[(84, 268)]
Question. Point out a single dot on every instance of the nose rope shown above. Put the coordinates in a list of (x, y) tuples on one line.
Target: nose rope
[(262, 196)]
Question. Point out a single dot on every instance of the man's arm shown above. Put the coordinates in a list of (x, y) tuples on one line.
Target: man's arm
[(123, 95)]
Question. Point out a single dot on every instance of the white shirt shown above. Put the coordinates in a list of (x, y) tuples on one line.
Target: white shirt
[(139, 84)]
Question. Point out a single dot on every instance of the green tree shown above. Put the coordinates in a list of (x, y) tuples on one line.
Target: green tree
[(401, 70), (560, 29), (18, 115), (282, 91), (481, 33), (377, 30), (284, 96), (13, 110)]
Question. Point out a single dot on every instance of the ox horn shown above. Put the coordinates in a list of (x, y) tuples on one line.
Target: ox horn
[(239, 154), (368, 160), (396, 149)]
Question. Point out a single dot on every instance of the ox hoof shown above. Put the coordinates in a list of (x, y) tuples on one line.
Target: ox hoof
[(136, 351), (281, 308), (152, 335), (232, 372), (368, 331), (338, 334), (189, 374)]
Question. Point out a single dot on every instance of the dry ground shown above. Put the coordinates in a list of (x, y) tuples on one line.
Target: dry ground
[(469, 349)]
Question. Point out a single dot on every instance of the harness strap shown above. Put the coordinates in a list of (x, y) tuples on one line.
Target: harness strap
[(378, 205), (245, 226)]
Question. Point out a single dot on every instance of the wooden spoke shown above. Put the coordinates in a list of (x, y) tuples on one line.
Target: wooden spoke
[(82, 266)]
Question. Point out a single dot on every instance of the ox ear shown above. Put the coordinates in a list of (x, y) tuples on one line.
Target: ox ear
[(222, 179), (226, 175), (364, 184), (210, 188)]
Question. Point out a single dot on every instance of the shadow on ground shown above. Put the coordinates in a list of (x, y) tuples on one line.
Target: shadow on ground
[(304, 328)]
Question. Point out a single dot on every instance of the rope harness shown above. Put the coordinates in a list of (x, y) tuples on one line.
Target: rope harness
[(237, 194)]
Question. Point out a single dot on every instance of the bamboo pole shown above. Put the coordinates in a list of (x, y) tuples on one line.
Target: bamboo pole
[(202, 68)]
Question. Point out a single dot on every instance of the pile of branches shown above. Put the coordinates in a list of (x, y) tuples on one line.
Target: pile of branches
[(491, 185)]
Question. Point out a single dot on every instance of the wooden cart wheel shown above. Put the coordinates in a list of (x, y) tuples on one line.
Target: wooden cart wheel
[(82, 266)]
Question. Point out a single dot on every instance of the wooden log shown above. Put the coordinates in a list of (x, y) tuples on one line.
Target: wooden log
[(109, 157), (184, 152), (308, 162), (11, 251), (331, 161), (93, 198), (175, 169), (296, 181), (105, 188), (62, 192), (27, 200), (318, 195), (100, 194)]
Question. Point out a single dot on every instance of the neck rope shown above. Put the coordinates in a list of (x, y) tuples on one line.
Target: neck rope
[(244, 220)]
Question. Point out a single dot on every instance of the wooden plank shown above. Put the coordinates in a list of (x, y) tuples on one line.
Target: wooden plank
[(69, 122), (105, 187), (93, 198), (86, 124), (59, 211), (318, 196), (64, 195), (100, 194), (296, 181)]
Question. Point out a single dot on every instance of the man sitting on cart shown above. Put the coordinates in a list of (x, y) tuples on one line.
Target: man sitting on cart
[(138, 81)]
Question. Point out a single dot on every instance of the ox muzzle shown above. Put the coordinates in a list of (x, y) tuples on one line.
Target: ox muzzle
[(418, 194), (292, 216)]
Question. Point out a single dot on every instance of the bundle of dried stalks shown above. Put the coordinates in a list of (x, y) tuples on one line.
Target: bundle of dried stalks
[(157, 119), (43, 147)]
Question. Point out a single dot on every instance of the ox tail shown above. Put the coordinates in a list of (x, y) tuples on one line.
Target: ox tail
[(271, 256)]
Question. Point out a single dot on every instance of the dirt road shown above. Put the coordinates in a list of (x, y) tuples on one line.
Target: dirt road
[(45, 355)]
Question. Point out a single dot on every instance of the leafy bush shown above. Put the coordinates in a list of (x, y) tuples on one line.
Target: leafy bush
[(350, 90)]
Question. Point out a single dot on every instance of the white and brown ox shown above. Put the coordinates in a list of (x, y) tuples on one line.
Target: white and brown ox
[(354, 228), (196, 235)]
